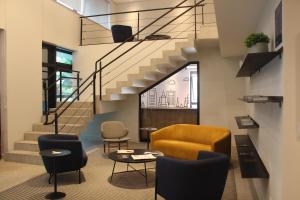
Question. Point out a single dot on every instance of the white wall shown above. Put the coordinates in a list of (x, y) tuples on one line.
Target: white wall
[(2, 13), (60, 25), (2, 90), (268, 138), (23, 67), (27, 25), (291, 112)]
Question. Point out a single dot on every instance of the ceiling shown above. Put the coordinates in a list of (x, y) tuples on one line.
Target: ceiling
[(235, 20)]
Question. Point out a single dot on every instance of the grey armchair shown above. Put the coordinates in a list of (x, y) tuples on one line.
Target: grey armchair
[(114, 132)]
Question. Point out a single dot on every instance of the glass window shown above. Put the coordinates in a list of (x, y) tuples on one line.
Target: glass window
[(64, 57), (67, 85)]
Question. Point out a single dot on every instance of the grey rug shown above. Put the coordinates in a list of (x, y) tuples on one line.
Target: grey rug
[(96, 184)]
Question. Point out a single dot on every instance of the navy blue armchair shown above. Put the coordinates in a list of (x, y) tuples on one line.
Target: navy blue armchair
[(204, 178), (74, 162), (122, 33)]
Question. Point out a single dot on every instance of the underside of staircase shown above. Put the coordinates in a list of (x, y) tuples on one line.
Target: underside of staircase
[(158, 69), (73, 120)]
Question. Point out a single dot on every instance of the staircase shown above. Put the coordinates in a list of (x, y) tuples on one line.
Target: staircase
[(158, 69), (73, 120)]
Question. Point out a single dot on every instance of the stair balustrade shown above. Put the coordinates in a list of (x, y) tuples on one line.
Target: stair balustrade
[(168, 20)]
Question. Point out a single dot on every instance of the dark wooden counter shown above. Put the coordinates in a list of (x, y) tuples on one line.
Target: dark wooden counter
[(162, 117)]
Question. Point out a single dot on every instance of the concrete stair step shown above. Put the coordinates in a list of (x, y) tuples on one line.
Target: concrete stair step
[(161, 63), (20, 156), (65, 128), (122, 90), (152, 70), (34, 135), (113, 97), (77, 112), (141, 76), (27, 145), (78, 104), (64, 119)]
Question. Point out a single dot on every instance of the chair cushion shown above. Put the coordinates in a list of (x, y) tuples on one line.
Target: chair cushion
[(180, 149)]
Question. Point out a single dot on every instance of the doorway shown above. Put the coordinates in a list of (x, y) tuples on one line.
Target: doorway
[(173, 100)]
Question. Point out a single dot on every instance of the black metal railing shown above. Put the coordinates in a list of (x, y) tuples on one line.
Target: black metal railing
[(95, 29), (75, 75), (100, 66)]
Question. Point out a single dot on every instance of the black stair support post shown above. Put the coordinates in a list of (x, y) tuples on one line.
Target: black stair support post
[(100, 79), (195, 25), (78, 93), (56, 123), (60, 86), (138, 26), (94, 93)]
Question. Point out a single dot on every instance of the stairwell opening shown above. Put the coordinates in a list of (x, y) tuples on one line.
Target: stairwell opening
[(173, 100)]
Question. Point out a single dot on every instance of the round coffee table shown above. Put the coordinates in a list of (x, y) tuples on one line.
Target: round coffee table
[(53, 154), (127, 158)]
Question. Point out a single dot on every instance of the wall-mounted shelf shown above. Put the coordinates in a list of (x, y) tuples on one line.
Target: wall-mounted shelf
[(250, 163), (253, 62), (263, 99), (243, 122)]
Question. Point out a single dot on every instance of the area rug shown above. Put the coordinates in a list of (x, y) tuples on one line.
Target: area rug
[(96, 183)]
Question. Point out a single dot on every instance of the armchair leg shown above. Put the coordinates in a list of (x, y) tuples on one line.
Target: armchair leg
[(104, 147), (119, 145), (155, 190), (50, 177), (79, 176)]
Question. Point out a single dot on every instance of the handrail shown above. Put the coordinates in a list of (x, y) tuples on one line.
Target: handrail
[(93, 74), (136, 11), (59, 66)]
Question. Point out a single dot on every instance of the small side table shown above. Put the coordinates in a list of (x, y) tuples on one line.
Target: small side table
[(53, 154), (148, 130)]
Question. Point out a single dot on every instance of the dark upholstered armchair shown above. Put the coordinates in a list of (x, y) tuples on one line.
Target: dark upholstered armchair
[(121, 33), (204, 178), (73, 162)]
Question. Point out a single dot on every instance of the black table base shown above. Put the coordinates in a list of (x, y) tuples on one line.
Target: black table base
[(55, 195), (134, 170)]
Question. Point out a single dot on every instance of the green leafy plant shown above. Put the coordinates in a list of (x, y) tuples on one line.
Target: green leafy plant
[(254, 38)]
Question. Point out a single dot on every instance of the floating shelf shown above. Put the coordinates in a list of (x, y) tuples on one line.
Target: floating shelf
[(243, 126), (263, 99), (250, 163), (253, 62)]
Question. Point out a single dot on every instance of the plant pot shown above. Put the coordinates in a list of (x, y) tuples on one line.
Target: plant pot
[(259, 48)]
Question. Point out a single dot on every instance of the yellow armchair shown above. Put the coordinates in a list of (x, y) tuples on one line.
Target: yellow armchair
[(185, 140)]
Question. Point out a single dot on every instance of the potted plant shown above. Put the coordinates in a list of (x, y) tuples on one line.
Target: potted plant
[(257, 42)]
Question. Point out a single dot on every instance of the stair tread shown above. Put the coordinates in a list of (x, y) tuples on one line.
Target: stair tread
[(44, 133), (59, 124), (23, 152), (27, 142)]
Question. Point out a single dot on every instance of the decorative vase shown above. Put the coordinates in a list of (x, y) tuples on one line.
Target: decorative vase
[(259, 47)]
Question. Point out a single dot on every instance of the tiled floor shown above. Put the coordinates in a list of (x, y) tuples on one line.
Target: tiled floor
[(12, 173)]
